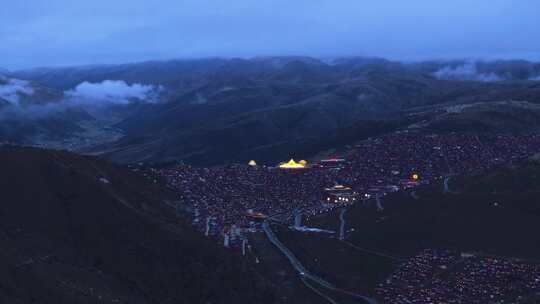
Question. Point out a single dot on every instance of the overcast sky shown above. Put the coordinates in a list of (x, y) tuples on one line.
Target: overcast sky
[(68, 32)]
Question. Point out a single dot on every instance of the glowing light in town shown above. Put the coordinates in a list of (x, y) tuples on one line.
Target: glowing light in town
[(291, 164)]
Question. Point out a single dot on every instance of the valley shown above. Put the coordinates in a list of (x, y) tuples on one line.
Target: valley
[(269, 152)]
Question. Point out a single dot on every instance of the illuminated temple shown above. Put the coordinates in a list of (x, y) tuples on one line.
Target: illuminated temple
[(291, 164)]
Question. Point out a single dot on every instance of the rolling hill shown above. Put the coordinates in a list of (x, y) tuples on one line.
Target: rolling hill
[(493, 213), (271, 124), (270, 108)]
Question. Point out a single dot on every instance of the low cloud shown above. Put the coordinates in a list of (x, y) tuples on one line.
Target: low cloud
[(26, 107), (13, 89), (25, 101), (535, 78), (31, 114), (467, 71), (114, 91)]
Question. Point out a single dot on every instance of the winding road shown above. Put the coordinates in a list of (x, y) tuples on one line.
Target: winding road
[(342, 224), (305, 274), (379, 203), (446, 187), (373, 252)]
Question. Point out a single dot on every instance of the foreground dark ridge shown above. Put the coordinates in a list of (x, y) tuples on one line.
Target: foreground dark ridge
[(77, 230)]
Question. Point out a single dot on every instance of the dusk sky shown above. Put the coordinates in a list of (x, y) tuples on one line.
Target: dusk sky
[(75, 32)]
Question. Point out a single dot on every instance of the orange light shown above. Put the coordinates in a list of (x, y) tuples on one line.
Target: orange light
[(415, 176)]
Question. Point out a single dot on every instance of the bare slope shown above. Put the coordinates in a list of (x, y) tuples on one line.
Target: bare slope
[(77, 230)]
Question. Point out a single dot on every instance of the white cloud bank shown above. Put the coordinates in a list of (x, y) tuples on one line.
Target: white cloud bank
[(12, 89), (114, 91), (467, 71), (537, 78)]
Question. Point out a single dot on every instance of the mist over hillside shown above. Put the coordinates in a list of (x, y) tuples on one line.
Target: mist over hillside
[(35, 114)]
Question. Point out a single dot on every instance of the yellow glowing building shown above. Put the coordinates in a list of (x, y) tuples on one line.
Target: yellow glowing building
[(291, 164), (252, 163)]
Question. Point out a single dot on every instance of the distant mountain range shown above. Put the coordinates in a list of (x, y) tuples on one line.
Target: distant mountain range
[(289, 69), (270, 108)]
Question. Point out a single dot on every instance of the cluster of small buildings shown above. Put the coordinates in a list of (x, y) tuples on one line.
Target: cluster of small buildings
[(244, 195), (444, 276)]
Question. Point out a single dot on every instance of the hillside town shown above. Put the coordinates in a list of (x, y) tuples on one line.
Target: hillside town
[(237, 197)]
